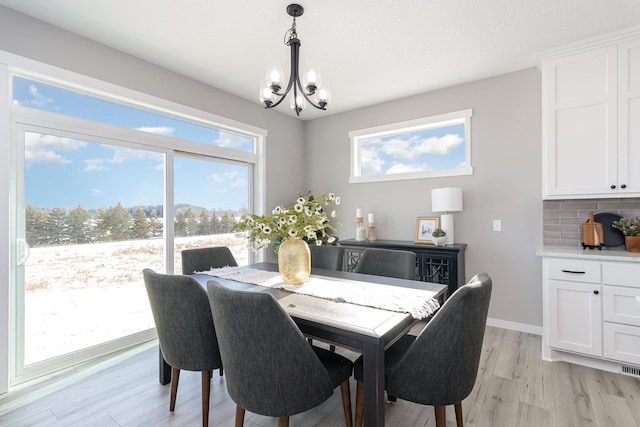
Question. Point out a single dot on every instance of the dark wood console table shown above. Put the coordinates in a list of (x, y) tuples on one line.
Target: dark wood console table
[(436, 264)]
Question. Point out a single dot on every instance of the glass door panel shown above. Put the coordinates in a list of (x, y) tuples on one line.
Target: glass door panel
[(209, 196), (92, 215)]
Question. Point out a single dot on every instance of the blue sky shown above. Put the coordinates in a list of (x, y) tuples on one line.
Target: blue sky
[(65, 172), (424, 150)]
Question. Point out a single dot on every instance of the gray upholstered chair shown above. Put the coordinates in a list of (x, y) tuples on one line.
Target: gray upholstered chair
[(187, 337), (204, 259), (439, 366), (270, 368), (387, 262), (329, 257)]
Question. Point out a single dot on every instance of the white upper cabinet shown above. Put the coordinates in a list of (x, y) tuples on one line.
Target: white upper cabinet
[(591, 121)]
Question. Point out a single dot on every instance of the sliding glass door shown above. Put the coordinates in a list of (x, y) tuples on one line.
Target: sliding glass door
[(91, 217)]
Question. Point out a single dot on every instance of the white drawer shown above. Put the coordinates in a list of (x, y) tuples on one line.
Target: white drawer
[(622, 342), (621, 305), (621, 273), (574, 270)]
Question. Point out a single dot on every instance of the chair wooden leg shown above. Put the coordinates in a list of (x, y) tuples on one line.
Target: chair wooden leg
[(283, 421), (239, 416), (221, 372), (175, 377), (206, 391), (359, 403), (346, 403), (458, 408), (441, 416)]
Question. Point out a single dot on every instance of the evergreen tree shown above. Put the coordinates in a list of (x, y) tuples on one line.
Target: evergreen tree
[(79, 225), (215, 223), (180, 225), (204, 223), (141, 229), (35, 226), (155, 224), (57, 227), (227, 222), (119, 223), (191, 222)]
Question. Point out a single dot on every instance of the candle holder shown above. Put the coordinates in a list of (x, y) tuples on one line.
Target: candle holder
[(372, 232), (361, 233)]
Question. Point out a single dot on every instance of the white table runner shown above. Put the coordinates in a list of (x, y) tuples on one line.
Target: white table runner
[(420, 303)]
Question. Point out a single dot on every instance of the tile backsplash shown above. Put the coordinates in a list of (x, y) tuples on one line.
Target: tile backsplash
[(561, 219)]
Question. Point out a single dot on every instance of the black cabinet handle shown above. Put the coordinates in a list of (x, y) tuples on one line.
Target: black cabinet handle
[(573, 272), (596, 292), (623, 186), (613, 187)]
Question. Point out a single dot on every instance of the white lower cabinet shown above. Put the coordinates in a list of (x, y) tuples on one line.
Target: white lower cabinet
[(575, 317), (592, 308)]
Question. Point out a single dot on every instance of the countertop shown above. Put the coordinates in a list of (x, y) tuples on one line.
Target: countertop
[(596, 254)]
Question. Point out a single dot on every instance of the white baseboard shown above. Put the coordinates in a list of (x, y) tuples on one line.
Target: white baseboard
[(514, 326)]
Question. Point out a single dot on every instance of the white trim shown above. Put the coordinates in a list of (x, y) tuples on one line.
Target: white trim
[(515, 326), (590, 43), (69, 79), (5, 206)]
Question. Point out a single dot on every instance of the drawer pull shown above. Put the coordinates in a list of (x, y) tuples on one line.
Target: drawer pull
[(573, 271), (596, 292)]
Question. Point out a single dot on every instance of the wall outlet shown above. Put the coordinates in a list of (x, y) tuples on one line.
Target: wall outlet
[(497, 225)]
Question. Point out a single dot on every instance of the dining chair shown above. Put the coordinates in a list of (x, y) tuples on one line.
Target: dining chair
[(185, 329), (270, 368), (328, 257), (204, 259), (439, 366), (388, 263)]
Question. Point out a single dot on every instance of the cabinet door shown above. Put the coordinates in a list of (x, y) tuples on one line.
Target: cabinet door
[(575, 317), (579, 101), (629, 117)]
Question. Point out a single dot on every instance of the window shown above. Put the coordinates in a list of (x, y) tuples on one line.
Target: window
[(107, 182), (433, 146)]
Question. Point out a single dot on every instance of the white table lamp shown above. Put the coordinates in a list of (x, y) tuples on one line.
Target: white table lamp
[(447, 200)]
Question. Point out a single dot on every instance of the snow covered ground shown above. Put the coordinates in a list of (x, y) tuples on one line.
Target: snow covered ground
[(81, 295)]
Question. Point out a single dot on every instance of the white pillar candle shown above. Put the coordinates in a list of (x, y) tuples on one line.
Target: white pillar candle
[(370, 217), (358, 213)]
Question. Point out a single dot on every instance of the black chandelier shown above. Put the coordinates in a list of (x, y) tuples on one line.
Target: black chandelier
[(307, 90)]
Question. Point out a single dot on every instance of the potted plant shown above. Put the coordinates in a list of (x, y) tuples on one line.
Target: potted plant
[(630, 227), (439, 237), (289, 229)]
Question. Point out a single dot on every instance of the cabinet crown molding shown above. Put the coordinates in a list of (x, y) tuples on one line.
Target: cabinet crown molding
[(602, 40)]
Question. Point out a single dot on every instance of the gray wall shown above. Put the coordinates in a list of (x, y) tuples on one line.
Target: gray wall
[(506, 183)]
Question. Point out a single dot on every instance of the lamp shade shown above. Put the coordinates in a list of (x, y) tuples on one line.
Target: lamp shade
[(447, 199)]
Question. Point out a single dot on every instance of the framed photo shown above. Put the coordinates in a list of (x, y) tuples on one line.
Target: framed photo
[(424, 227)]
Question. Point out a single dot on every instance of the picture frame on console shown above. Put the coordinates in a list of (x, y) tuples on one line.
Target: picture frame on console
[(424, 227)]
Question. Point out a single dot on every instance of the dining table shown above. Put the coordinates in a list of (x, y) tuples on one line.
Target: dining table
[(364, 329)]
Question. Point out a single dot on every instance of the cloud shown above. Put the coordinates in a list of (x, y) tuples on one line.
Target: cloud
[(96, 192), (158, 130), (403, 168), (439, 145), (233, 179), (92, 165), (370, 161), (37, 99), (46, 149), (229, 140)]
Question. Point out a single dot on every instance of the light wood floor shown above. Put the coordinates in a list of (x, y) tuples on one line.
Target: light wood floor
[(514, 388)]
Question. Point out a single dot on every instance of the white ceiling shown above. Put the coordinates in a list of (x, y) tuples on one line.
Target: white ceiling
[(369, 51)]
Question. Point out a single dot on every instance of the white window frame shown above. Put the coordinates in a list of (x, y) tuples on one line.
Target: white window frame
[(14, 116), (425, 123)]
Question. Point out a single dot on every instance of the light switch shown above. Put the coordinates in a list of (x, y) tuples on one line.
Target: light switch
[(497, 225)]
